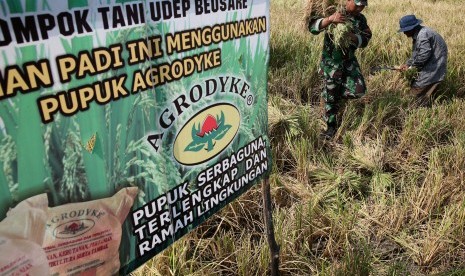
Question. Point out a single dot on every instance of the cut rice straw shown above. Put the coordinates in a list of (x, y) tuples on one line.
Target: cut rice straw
[(319, 8), (315, 8)]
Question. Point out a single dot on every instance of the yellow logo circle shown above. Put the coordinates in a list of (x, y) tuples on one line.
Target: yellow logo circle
[(206, 134)]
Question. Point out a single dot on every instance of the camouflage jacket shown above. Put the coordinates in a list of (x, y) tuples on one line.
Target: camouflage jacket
[(334, 56)]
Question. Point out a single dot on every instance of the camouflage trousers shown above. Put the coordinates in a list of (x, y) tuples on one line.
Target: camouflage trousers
[(340, 82)]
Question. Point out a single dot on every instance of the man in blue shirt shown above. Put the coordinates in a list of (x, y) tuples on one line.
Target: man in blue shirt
[(429, 56)]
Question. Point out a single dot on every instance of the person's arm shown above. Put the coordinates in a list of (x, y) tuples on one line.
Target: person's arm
[(361, 38), (423, 52), (409, 62), (406, 65), (317, 25), (420, 55)]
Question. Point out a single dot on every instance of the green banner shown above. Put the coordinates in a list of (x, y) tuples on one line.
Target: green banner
[(96, 96)]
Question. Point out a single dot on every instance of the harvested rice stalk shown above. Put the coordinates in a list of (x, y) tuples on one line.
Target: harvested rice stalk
[(340, 34), (410, 74), (321, 8), (326, 8)]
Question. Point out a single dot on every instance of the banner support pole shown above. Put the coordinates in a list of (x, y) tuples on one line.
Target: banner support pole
[(268, 218)]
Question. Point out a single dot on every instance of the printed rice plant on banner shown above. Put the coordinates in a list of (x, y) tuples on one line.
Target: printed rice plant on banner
[(169, 97)]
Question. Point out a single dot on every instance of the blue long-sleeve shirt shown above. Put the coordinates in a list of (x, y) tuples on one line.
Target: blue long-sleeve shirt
[(429, 56)]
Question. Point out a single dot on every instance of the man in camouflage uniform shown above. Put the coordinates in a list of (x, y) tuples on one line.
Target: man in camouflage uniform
[(339, 67)]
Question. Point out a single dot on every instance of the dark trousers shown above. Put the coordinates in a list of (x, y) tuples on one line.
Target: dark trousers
[(424, 96)]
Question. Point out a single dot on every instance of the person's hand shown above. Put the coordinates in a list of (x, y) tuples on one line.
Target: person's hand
[(402, 67), (337, 18)]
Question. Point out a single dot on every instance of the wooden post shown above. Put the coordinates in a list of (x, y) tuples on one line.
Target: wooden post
[(268, 218)]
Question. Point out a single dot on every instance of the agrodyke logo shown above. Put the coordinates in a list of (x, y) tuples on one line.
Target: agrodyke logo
[(207, 134), (212, 129), (73, 228)]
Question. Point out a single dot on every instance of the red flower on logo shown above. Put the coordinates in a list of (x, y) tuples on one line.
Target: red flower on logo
[(209, 125), (73, 227)]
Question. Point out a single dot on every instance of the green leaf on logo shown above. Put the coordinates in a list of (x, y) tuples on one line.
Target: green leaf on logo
[(221, 132), (194, 146), (220, 120), (194, 131), (208, 136)]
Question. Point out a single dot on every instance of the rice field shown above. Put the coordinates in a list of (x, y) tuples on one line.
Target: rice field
[(386, 196)]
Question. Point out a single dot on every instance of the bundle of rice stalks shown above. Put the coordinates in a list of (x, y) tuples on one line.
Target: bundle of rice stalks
[(321, 8), (340, 34), (326, 8), (410, 74)]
